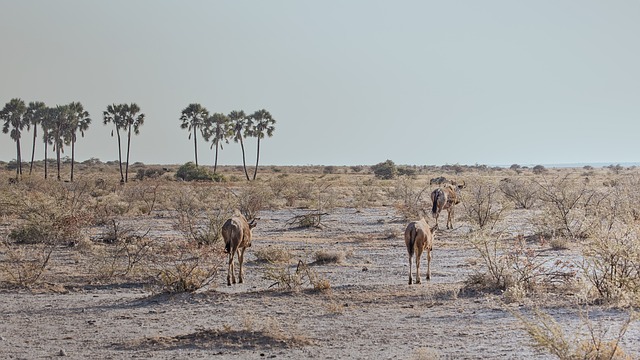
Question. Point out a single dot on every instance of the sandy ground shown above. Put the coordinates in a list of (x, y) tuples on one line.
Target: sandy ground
[(369, 312)]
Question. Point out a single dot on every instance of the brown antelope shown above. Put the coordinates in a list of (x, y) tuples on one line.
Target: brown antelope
[(419, 237), (236, 232), (444, 198)]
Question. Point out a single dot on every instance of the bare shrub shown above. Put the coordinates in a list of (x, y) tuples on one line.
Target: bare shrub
[(55, 216), (515, 267), (364, 194), (183, 266), (274, 254), (409, 198), (329, 257), (522, 192), (24, 266), (141, 197), (253, 198), (483, 204), (494, 273), (287, 279), (612, 264), (589, 341), (198, 219), (125, 250), (568, 204)]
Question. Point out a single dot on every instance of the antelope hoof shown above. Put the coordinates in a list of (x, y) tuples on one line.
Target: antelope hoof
[(418, 281)]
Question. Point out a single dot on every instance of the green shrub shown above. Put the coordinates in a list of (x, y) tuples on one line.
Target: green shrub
[(385, 170), (190, 172)]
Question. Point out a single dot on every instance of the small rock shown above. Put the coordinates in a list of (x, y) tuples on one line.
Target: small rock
[(62, 352)]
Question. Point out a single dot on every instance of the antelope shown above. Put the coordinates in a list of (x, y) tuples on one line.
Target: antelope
[(236, 232), (444, 198), (418, 237)]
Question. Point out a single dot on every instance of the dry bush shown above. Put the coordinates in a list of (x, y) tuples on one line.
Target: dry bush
[(568, 205), (141, 197), (515, 267), (365, 194), (523, 192), (198, 219), (611, 263), (409, 199), (24, 266), (252, 198), (588, 342), (124, 252), (483, 204), (290, 188), (285, 278), (328, 257), (274, 254), (183, 266), (54, 214), (494, 272)]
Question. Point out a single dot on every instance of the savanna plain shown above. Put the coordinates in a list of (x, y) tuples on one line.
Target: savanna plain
[(540, 263)]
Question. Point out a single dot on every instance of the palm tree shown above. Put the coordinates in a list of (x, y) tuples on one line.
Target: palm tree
[(239, 124), (217, 129), (47, 124), (260, 123), (78, 121), (194, 117), (13, 116), (60, 131), (115, 114), (36, 112), (133, 120)]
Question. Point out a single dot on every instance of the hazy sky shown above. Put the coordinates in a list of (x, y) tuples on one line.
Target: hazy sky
[(349, 82)]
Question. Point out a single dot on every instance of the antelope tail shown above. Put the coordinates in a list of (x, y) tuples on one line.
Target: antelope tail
[(412, 242), (434, 208)]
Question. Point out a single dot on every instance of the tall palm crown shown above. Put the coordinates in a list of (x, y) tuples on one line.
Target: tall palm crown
[(193, 118), (133, 119), (260, 123), (35, 115), (239, 125), (13, 116), (115, 114), (61, 130), (47, 125), (78, 121), (217, 129)]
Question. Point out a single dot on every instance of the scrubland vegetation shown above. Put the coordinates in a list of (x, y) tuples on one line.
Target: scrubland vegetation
[(518, 223)]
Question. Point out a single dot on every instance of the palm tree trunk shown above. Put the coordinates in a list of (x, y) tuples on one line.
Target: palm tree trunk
[(195, 144), (46, 159), (215, 162), (18, 159), (244, 162), (120, 155), (73, 151), (33, 150), (126, 173), (255, 171), (58, 159)]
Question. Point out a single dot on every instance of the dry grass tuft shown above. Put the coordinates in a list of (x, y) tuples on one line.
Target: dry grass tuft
[(274, 254), (329, 257)]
